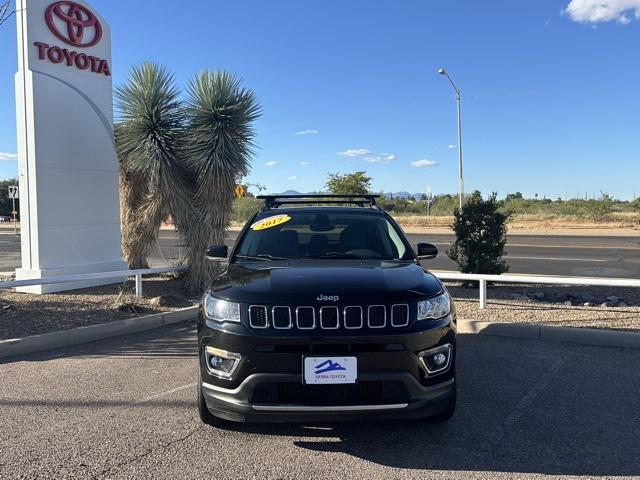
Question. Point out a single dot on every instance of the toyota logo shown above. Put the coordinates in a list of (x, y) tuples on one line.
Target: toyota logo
[(71, 22)]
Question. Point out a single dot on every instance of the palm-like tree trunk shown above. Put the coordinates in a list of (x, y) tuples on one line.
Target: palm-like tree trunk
[(148, 136), (220, 143), (183, 161), (132, 193)]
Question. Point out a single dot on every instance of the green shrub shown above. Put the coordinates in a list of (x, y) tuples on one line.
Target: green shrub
[(481, 230), (244, 208), (599, 210)]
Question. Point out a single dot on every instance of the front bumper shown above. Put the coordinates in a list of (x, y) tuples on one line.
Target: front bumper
[(271, 359)]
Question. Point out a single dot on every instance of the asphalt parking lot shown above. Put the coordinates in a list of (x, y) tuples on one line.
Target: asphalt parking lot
[(125, 408)]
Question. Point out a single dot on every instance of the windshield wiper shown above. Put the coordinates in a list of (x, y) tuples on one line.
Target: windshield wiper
[(335, 255), (260, 256)]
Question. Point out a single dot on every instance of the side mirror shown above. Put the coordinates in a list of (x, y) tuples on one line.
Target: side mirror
[(427, 251), (217, 251)]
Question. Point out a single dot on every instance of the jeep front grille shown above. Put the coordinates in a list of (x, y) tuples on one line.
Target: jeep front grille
[(329, 317), (400, 315), (258, 316)]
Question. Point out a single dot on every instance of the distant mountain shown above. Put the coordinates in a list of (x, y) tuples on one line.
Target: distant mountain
[(402, 195), (295, 192)]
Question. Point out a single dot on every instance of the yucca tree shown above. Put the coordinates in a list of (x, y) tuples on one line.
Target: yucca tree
[(219, 143), (148, 136)]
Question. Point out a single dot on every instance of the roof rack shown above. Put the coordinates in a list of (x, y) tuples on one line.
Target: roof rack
[(275, 201)]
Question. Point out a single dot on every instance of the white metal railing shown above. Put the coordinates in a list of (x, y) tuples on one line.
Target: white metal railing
[(442, 275), (533, 279), (94, 276)]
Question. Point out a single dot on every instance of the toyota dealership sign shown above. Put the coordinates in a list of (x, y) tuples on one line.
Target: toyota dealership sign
[(78, 27), (67, 160)]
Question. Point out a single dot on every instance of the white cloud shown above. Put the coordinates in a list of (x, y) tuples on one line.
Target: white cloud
[(8, 156), (307, 132), (271, 163), (293, 178), (383, 158), (306, 164), (451, 146), (423, 163), (597, 11), (355, 152)]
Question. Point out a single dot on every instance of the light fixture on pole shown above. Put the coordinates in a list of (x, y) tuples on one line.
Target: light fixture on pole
[(442, 71)]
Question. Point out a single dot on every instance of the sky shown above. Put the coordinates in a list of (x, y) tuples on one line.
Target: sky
[(550, 96)]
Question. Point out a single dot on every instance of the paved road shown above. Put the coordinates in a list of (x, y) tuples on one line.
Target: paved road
[(532, 254), (124, 408)]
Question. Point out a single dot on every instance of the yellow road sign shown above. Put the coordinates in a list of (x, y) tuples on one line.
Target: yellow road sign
[(241, 191)]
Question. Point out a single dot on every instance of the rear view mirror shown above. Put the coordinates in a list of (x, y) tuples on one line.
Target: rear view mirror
[(427, 251), (217, 251)]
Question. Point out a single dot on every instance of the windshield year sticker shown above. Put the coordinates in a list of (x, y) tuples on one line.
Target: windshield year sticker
[(270, 222)]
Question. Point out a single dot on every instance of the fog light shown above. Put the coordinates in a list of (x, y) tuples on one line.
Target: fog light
[(216, 362), (436, 360), (439, 359), (221, 363)]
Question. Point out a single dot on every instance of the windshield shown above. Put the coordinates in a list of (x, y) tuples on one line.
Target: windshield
[(323, 235)]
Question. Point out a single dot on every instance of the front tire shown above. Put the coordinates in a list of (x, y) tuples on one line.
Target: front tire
[(450, 409), (203, 411)]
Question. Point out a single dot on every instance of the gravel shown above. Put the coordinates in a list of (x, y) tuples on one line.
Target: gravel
[(23, 314), (562, 306)]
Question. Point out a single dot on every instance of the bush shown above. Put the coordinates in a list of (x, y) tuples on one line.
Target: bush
[(244, 208), (599, 210), (6, 204), (481, 230)]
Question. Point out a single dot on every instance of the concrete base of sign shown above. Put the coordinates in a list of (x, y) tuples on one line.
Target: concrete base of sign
[(26, 274)]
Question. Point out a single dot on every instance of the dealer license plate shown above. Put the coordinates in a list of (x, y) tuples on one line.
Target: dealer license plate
[(319, 370)]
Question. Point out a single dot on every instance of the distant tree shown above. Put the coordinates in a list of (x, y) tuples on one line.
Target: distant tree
[(513, 196), (481, 230), (6, 204), (357, 183), (5, 11)]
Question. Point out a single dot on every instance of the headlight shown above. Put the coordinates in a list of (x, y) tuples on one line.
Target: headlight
[(220, 310), (434, 308)]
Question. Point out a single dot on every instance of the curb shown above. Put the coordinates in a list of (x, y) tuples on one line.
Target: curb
[(549, 333), (76, 336)]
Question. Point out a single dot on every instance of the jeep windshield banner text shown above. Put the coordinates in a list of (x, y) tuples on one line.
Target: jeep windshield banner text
[(325, 313)]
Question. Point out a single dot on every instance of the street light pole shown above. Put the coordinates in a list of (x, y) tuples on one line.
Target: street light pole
[(442, 71)]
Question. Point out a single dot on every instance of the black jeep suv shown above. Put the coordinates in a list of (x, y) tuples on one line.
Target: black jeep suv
[(324, 313)]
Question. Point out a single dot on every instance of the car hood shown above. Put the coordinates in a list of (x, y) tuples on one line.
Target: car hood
[(304, 282)]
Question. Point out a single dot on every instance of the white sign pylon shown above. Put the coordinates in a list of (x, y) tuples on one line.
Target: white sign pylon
[(65, 143)]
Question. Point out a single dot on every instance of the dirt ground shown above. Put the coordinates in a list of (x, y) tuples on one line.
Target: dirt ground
[(23, 314)]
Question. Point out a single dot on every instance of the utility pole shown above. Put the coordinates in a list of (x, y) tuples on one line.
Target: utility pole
[(442, 71), (429, 200)]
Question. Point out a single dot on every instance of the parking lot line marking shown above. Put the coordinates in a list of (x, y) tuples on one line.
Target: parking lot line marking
[(559, 259), (165, 393), (494, 438)]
